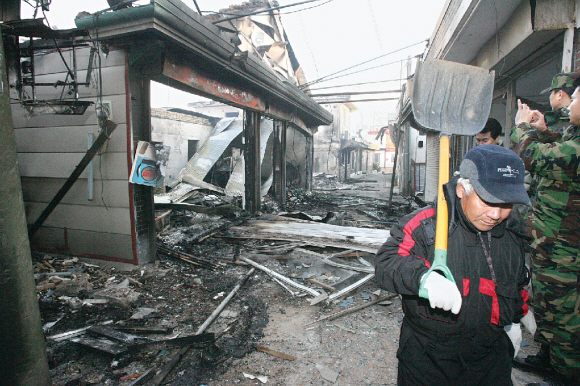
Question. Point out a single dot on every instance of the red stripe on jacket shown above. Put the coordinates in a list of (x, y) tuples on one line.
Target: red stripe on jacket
[(408, 242), (525, 296), (487, 287)]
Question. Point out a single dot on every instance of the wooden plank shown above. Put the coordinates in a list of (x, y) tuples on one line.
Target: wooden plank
[(104, 345), (364, 236), (61, 165), (218, 210), (113, 193), (113, 334), (311, 241), (145, 330), (48, 139), (80, 217), (352, 309), (275, 353)]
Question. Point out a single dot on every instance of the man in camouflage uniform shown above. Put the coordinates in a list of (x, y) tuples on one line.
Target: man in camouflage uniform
[(558, 119), (560, 97), (554, 159), (561, 91)]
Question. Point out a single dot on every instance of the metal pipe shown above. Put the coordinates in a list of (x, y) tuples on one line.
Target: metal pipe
[(90, 174), (281, 277), (224, 302)]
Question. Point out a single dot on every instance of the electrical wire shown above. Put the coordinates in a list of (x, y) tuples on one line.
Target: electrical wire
[(304, 9), (308, 44), (360, 64), (274, 9), (375, 25), (497, 42), (357, 84), (367, 69), (197, 6), (99, 104), (239, 16)]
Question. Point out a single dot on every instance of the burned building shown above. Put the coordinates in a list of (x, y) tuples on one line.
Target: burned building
[(70, 88)]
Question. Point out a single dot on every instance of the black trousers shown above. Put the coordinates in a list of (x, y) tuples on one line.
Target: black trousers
[(460, 361)]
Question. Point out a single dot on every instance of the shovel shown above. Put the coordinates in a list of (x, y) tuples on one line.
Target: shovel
[(450, 98)]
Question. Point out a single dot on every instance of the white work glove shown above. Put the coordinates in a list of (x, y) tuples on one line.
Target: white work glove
[(443, 293), (529, 322), (514, 332)]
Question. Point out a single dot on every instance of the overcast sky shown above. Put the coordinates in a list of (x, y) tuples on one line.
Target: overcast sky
[(327, 37)]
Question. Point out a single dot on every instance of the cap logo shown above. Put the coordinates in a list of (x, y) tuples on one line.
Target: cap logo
[(508, 171)]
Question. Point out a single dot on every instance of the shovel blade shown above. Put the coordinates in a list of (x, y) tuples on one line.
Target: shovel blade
[(452, 98)]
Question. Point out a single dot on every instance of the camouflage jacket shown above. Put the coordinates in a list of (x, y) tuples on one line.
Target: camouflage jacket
[(558, 120), (555, 160)]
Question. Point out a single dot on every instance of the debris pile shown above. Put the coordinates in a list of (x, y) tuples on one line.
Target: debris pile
[(207, 302)]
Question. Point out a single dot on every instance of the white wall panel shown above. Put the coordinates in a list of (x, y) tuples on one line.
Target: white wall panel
[(52, 63), (61, 165), (113, 84), (114, 193), (104, 244), (44, 139), (22, 118), (93, 244), (81, 217)]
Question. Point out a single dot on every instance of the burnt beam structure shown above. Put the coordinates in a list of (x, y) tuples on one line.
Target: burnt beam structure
[(279, 151), (253, 162), (309, 162)]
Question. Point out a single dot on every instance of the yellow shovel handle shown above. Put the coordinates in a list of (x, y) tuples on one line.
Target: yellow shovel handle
[(442, 224)]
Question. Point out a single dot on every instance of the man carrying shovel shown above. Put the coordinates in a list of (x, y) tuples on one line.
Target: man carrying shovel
[(466, 331)]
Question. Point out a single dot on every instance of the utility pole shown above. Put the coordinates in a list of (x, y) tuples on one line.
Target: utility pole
[(22, 350)]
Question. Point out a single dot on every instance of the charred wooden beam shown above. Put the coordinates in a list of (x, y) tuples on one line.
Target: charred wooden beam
[(253, 162), (279, 151), (187, 257)]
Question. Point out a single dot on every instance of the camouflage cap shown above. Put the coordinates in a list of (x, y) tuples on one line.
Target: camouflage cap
[(562, 81)]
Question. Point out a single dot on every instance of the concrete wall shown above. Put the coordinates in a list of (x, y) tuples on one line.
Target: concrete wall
[(216, 109), (327, 145), (327, 142), (175, 130), (418, 154), (49, 148), (295, 158)]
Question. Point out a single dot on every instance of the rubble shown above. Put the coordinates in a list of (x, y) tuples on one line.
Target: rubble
[(132, 327)]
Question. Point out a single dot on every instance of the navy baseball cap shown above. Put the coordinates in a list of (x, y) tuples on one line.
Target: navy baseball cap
[(496, 173)]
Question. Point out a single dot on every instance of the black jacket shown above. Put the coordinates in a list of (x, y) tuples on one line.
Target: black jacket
[(487, 306)]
